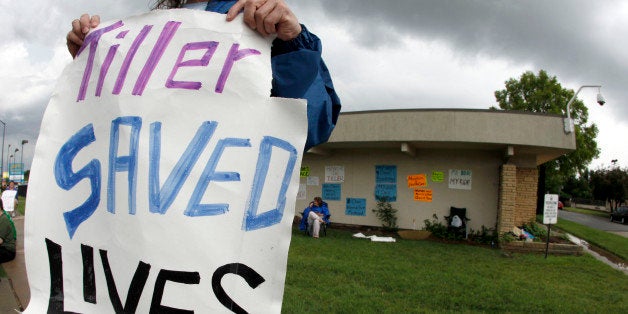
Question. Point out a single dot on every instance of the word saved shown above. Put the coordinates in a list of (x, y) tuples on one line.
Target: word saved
[(56, 302), (161, 197), (167, 33)]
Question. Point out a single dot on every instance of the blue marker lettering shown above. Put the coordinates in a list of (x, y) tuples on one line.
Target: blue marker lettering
[(123, 163), (161, 198), (253, 220), (67, 179), (194, 207)]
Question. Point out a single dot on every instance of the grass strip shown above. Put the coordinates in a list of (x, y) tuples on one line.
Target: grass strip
[(611, 242)]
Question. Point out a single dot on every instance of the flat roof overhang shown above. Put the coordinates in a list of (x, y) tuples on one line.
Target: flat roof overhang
[(514, 132)]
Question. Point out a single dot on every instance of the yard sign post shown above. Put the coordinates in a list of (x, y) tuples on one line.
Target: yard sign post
[(550, 215)]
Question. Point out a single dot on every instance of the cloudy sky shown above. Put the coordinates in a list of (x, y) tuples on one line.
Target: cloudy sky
[(382, 54)]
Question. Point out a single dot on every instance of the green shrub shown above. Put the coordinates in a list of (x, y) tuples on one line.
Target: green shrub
[(386, 214), (484, 236), (537, 230), (437, 228), (508, 237)]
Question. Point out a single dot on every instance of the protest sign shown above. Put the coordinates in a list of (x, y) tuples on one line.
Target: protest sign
[(8, 200), (164, 176), (416, 180), (460, 179), (423, 195)]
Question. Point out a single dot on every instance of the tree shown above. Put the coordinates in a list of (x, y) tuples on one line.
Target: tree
[(610, 184), (578, 187), (543, 93)]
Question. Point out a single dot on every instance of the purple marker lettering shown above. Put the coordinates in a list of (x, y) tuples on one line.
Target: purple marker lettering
[(105, 68), (162, 43), (129, 58), (234, 55), (122, 34), (210, 46), (92, 41)]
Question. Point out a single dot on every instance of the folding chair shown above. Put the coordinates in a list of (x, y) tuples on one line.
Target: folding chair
[(457, 221)]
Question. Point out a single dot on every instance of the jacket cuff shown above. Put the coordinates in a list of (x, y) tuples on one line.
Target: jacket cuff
[(305, 40)]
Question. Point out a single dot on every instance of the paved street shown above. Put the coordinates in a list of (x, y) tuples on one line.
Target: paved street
[(596, 222)]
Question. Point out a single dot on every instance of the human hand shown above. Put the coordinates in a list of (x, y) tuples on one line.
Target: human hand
[(268, 17), (80, 28)]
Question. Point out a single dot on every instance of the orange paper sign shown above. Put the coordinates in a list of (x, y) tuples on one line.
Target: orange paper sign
[(423, 195), (415, 180)]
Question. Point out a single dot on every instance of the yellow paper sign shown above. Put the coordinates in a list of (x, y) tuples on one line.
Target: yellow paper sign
[(438, 176), (305, 171)]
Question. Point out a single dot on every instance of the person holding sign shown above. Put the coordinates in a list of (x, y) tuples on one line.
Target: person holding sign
[(315, 214), (298, 69), (9, 197), (7, 236)]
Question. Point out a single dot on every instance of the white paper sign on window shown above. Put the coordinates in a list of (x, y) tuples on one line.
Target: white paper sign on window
[(164, 172)]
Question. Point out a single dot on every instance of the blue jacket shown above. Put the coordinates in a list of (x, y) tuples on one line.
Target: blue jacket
[(299, 72), (317, 209)]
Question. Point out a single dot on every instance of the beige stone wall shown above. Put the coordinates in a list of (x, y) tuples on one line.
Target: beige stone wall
[(359, 166), (527, 182), (507, 198)]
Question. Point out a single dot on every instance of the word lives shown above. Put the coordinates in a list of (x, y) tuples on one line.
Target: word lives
[(56, 302)]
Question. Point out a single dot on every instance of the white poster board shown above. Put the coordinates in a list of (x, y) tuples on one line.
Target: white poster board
[(164, 175), (312, 181), (334, 174), (460, 179), (8, 200), (550, 209)]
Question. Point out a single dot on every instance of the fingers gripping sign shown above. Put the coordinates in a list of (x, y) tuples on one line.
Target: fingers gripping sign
[(80, 29), (268, 17)]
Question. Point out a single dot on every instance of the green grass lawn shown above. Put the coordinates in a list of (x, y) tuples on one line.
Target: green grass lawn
[(21, 201), (341, 274), (611, 242)]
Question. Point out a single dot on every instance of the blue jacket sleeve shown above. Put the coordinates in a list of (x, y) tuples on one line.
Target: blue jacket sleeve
[(303, 224), (325, 211), (300, 72)]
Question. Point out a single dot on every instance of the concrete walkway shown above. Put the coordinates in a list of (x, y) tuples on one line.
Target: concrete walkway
[(14, 291)]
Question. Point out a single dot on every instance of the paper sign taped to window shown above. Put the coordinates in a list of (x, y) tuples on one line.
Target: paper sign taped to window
[(165, 176)]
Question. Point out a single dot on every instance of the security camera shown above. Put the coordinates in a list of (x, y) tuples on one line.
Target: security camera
[(601, 100)]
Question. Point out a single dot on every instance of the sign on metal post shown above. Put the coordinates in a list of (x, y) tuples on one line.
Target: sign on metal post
[(550, 215), (550, 209)]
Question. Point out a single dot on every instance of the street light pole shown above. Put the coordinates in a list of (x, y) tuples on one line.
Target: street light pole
[(4, 129), (14, 157), (8, 161), (22, 158), (568, 122)]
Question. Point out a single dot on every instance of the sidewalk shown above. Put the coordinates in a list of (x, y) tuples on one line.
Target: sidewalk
[(12, 299)]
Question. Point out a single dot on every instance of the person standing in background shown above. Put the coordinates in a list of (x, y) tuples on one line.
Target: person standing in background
[(9, 199), (8, 236)]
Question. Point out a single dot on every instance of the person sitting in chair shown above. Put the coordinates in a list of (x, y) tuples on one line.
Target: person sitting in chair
[(314, 215)]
